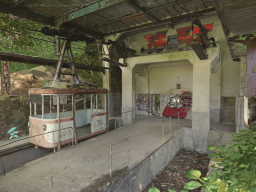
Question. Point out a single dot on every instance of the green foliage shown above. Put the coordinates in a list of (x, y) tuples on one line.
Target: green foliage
[(193, 174), (240, 46), (153, 189), (238, 161), (91, 57), (192, 185)]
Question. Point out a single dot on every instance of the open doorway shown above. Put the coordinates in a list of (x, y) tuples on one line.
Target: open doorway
[(228, 110), (156, 105)]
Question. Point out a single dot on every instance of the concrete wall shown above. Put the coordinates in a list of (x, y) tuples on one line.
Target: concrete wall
[(224, 81)]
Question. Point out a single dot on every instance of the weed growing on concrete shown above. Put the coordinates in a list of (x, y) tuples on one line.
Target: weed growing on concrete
[(236, 170)]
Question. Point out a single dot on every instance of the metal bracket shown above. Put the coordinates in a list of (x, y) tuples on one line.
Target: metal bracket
[(65, 47)]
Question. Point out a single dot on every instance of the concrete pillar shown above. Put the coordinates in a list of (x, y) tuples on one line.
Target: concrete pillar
[(106, 77), (128, 102), (242, 101), (107, 81), (243, 77), (201, 105)]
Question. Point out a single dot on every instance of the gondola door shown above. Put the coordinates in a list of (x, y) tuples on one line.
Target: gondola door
[(98, 113)]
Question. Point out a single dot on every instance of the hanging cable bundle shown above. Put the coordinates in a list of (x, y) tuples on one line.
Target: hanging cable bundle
[(68, 35)]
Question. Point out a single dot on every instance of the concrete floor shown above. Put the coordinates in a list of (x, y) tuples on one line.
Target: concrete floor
[(75, 168)]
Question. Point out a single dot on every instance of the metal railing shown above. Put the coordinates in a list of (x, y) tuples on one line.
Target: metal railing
[(110, 152), (133, 120), (172, 124)]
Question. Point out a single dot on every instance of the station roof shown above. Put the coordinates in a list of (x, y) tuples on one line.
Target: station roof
[(237, 16), (106, 17)]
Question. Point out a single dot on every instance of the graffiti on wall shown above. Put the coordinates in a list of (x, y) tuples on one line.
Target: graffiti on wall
[(156, 40), (178, 105), (144, 102), (184, 36)]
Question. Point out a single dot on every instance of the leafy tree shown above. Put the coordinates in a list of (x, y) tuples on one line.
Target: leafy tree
[(240, 46), (91, 56)]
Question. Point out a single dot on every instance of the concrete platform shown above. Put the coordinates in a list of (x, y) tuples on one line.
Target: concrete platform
[(73, 169)]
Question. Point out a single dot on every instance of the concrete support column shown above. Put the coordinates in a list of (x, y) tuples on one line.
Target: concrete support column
[(243, 77), (106, 77), (201, 105), (128, 93), (107, 81), (242, 101)]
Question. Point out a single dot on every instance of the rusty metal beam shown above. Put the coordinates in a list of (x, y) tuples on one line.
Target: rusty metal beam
[(47, 62), (86, 10), (147, 14), (113, 62), (164, 21)]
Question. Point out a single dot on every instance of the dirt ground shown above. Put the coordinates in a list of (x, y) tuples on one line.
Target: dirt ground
[(174, 175), (14, 112)]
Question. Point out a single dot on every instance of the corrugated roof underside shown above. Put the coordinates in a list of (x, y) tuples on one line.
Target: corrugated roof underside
[(110, 19), (242, 21)]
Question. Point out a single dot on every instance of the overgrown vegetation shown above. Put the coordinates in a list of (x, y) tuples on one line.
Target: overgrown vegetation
[(19, 44), (238, 171), (240, 46)]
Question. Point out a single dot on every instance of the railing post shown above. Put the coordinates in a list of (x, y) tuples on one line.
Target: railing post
[(162, 130), (115, 123), (178, 119), (53, 141), (110, 159), (58, 116), (127, 152), (170, 124)]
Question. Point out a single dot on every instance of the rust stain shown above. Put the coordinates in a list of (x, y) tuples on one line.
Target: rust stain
[(100, 114), (67, 91)]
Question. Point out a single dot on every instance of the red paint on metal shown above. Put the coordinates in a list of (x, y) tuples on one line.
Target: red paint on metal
[(56, 121), (251, 66), (100, 114), (156, 40), (67, 91)]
